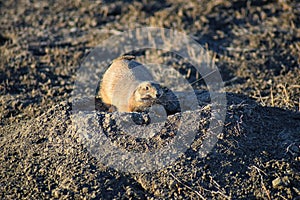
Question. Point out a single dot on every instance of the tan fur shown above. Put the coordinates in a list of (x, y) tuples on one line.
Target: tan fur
[(127, 86)]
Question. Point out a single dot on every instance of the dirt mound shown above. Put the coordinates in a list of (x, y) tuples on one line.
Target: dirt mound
[(254, 157)]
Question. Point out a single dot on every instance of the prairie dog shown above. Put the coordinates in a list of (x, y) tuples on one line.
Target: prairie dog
[(127, 86)]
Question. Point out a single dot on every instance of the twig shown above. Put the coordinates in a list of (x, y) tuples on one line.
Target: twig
[(188, 187), (288, 149), (211, 191), (283, 197), (206, 75), (272, 96), (261, 181), (219, 189)]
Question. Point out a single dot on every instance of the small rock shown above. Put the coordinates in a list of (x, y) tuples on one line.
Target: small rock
[(276, 182), (85, 190), (55, 193)]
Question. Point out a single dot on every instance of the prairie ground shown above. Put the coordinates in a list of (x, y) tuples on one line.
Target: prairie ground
[(254, 44)]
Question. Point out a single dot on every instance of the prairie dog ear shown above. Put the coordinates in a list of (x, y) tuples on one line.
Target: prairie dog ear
[(136, 92)]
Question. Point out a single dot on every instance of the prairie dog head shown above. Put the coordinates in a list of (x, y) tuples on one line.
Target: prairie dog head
[(148, 92)]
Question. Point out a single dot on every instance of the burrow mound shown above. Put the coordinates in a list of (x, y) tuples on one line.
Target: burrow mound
[(256, 155)]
